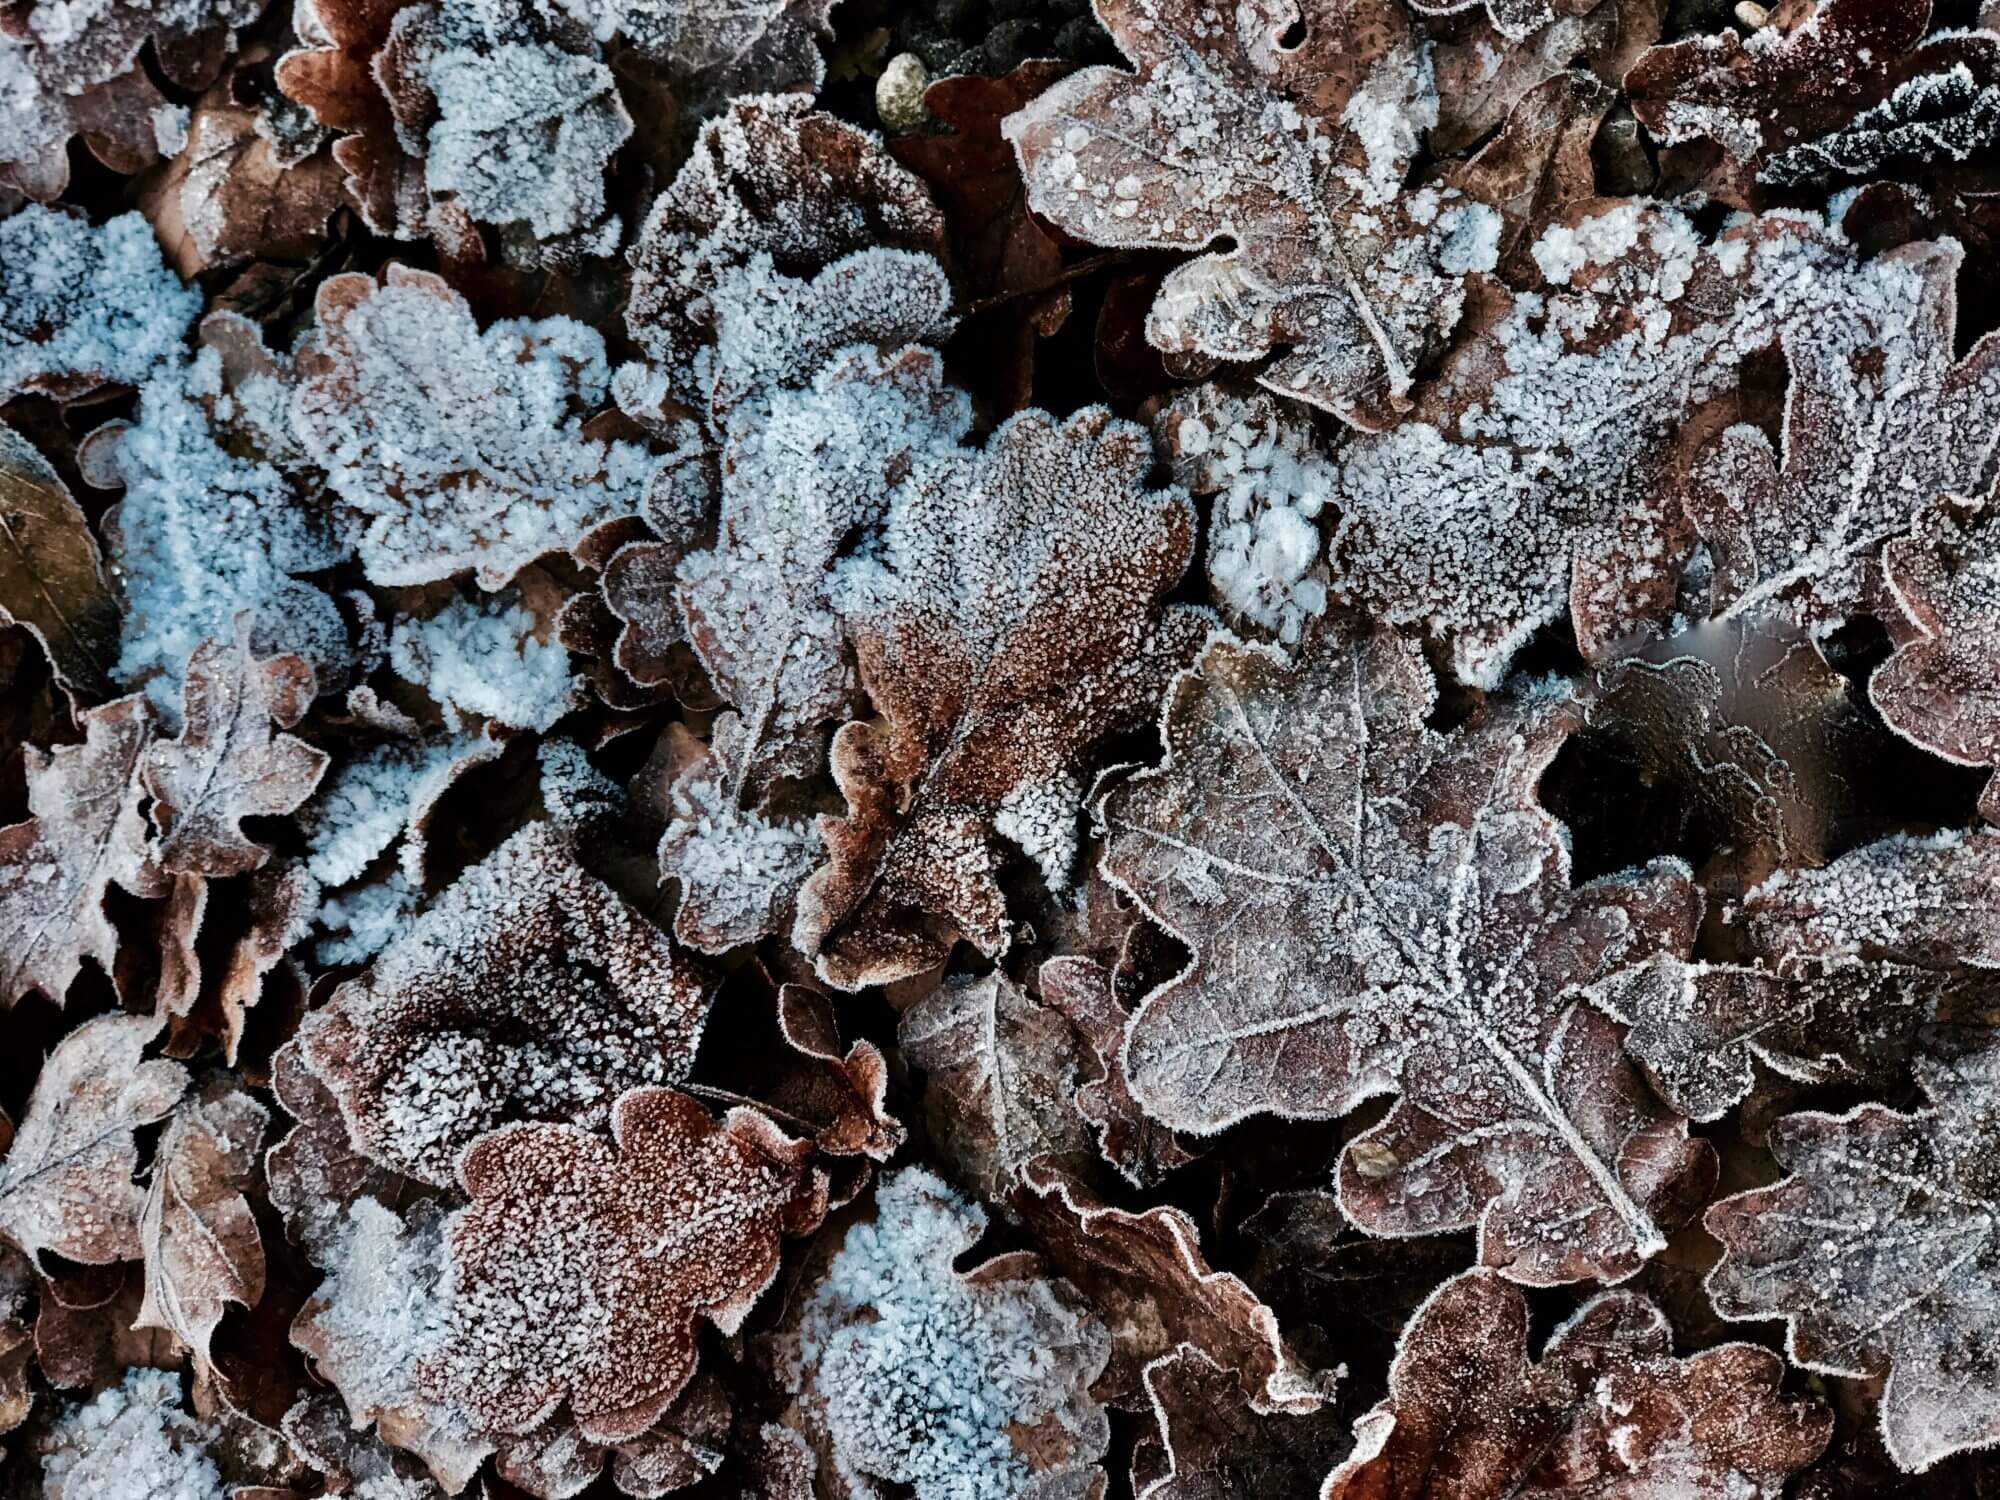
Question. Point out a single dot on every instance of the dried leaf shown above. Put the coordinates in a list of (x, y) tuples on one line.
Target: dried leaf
[(1213, 1444), (1000, 644), (229, 763), (51, 577), (1375, 906), (66, 1181), (1142, 1150), (1608, 1410), (1877, 1251), (197, 1230)]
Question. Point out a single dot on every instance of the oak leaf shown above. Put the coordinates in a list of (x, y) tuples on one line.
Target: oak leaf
[(229, 761), (1000, 641), (1878, 1250), (527, 990), (1607, 1410), (1087, 995), (1375, 907), (66, 1180), (1211, 1443)]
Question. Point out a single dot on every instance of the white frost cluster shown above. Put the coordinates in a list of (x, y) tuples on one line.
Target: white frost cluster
[(360, 923), (78, 301), (371, 799), (481, 656), (1263, 543), (132, 1442), (920, 1372)]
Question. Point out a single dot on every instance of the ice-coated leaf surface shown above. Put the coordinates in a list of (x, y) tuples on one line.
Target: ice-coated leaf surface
[(528, 991), (66, 1181), (1606, 1410), (1000, 640), (953, 1384), (230, 761), (1878, 1250), (1374, 907), (1297, 153)]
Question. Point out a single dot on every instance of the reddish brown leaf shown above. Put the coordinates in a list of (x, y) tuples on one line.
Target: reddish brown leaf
[(51, 576)]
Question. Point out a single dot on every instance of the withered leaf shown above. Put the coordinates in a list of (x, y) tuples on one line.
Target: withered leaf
[(202, 1250), (1000, 642), (1003, 1067), (528, 990), (66, 1181), (1212, 1444), (51, 576), (86, 833), (229, 761), (1879, 1250), (1140, 1147), (1607, 1410), (1377, 907), (581, 1265), (1295, 153)]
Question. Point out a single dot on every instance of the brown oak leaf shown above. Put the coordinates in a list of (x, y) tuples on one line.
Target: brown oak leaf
[(1086, 993), (66, 1180), (229, 762), (529, 990), (1940, 689), (51, 575), (1607, 1410), (1294, 153), (1000, 642), (581, 1266), (1212, 1444), (1880, 1253), (1375, 907), (197, 1230), (86, 833)]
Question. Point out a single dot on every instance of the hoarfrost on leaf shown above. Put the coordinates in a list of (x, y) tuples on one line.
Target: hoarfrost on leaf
[(131, 1442), (482, 656)]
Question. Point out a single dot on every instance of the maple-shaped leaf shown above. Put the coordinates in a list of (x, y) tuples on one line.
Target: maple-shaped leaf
[(51, 576), (229, 761), (1002, 1069), (528, 990), (1797, 106), (1880, 424), (197, 1230), (66, 1180), (1009, 618), (1375, 907), (1154, 1285), (581, 1266), (947, 1383), (458, 449), (1212, 1444), (86, 832), (1940, 688), (1607, 1410), (1878, 1250), (771, 178), (1295, 153)]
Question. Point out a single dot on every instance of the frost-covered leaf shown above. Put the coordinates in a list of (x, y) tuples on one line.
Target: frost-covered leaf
[(51, 577), (231, 194), (1150, 1280), (197, 1230), (1003, 1067), (131, 1442), (772, 177), (1534, 480), (388, 791), (218, 518), (488, 657), (1211, 1444), (947, 1383), (1940, 689), (1086, 994), (1880, 423), (66, 1181), (1539, 162), (683, 1448), (230, 762), (581, 1266), (1009, 618), (83, 305), (17, 1342), (85, 833), (1855, 85), (458, 449), (1879, 1251), (528, 990), (1295, 153), (1607, 1410), (1374, 906), (711, 50)]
